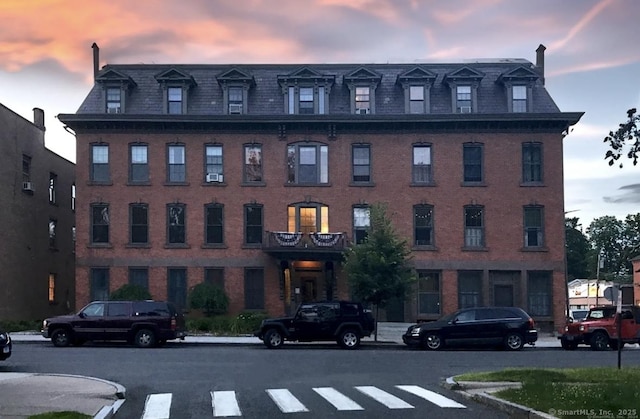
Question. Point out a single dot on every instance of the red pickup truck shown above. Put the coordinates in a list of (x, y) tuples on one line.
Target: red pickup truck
[(600, 329)]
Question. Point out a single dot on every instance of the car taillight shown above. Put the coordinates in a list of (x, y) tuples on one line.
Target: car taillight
[(532, 324), (173, 324)]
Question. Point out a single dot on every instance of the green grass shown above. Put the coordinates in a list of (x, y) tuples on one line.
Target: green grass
[(60, 415), (572, 392)]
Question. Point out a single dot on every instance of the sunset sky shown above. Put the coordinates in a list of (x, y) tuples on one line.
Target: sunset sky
[(592, 61)]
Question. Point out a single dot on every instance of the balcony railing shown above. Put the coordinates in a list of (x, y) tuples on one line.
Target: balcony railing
[(283, 240)]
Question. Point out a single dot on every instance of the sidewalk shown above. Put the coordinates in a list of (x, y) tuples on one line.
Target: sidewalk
[(23, 395)]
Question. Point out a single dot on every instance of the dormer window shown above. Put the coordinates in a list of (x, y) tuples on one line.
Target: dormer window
[(174, 100), (519, 83), (362, 84), (175, 87), (306, 91), (519, 100), (235, 85), (115, 85), (464, 84), (416, 84), (114, 100)]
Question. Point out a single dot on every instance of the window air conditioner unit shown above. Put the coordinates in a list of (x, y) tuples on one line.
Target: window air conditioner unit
[(465, 109), (27, 186), (235, 108), (214, 177), (362, 111), (113, 110)]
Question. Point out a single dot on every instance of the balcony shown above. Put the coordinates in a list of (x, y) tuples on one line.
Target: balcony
[(311, 246)]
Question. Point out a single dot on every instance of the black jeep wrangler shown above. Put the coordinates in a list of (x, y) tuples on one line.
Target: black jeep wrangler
[(345, 322)]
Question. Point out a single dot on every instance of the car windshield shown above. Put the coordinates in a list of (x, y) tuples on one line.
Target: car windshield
[(600, 313)]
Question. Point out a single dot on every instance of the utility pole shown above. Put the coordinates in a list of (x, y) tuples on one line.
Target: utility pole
[(600, 265)]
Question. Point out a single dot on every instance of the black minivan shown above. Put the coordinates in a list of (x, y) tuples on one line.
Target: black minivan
[(508, 327), (142, 323)]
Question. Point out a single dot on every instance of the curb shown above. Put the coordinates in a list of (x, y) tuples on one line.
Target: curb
[(481, 392)]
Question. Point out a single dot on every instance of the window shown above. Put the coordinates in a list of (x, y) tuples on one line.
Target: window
[(139, 170), (308, 164), (362, 100), (118, 309), (235, 100), (26, 168), (99, 223), (423, 225), (519, 98), (253, 163), (472, 157), (422, 164), (177, 171), (539, 293), (308, 218), (361, 163), (473, 227), (139, 277), (305, 105), (469, 289), (174, 98), (214, 224), (73, 197), (213, 163), (176, 223), (139, 219), (361, 224), (532, 162), (416, 99), (463, 99), (254, 288), (428, 292), (214, 276), (99, 284), (53, 224), (177, 287), (253, 224), (533, 231), (99, 163), (52, 288), (114, 103), (53, 180)]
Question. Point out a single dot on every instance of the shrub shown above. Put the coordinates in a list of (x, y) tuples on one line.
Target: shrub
[(248, 322), (130, 292), (20, 325), (209, 298)]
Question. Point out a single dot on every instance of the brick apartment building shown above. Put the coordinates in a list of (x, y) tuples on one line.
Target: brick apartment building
[(36, 208), (257, 177)]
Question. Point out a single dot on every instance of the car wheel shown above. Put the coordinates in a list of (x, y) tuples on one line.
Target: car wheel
[(273, 339), (349, 339), (514, 341), (61, 338), (570, 346), (145, 338), (613, 344), (599, 341), (433, 341)]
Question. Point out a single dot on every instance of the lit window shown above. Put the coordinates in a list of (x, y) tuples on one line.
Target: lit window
[(52, 288), (53, 224)]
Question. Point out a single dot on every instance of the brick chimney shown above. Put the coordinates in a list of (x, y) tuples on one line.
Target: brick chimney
[(96, 60), (540, 61), (38, 118)]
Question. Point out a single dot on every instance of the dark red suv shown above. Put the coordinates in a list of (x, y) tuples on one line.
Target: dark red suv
[(142, 323)]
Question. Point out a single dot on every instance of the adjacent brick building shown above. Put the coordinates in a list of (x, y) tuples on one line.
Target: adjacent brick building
[(257, 177), (36, 209)]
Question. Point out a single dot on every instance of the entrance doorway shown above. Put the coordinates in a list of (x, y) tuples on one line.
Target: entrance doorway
[(503, 295), (309, 290)]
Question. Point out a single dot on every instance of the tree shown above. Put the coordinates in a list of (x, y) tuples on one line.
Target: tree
[(627, 135), (129, 292), (379, 269), (610, 238), (577, 251), (211, 299)]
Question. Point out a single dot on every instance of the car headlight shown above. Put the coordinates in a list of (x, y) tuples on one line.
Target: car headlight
[(566, 329), (583, 328), (4, 337), (45, 324), (415, 331)]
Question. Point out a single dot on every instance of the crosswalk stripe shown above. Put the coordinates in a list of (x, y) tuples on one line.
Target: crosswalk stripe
[(225, 404), (433, 397), (387, 399), (157, 406), (337, 399), (286, 401)]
